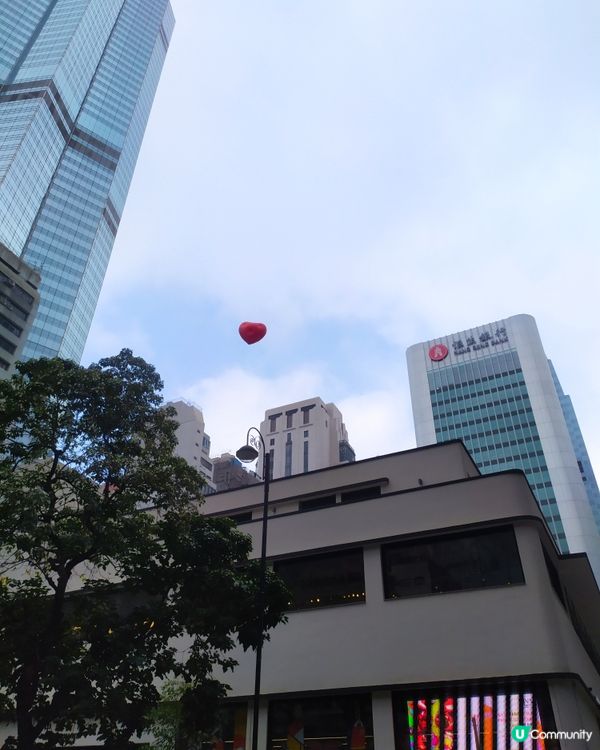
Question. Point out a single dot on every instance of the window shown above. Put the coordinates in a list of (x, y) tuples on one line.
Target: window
[(305, 413), (244, 517), (273, 424), (325, 501), (305, 433), (288, 457), (322, 580), (305, 457), (365, 493), (324, 721), (289, 417), (453, 562), (7, 345)]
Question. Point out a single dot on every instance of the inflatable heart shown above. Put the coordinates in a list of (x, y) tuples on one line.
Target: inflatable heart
[(252, 332)]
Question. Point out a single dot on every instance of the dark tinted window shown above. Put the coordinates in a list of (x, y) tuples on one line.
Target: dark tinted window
[(241, 517), (322, 580), (327, 722), (451, 563), (325, 501), (365, 493)]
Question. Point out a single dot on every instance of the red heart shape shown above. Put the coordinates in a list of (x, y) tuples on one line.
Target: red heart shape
[(252, 332)]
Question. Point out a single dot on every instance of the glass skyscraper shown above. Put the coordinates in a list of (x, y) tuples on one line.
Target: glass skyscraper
[(77, 80), (493, 388)]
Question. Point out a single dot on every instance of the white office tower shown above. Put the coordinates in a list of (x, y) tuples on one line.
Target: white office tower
[(305, 436), (493, 388), (193, 444)]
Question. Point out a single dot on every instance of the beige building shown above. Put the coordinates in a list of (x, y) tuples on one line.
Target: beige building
[(430, 608), (305, 436), (19, 301)]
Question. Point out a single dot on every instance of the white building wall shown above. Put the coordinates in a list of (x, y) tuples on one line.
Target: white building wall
[(193, 444), (523, 337)]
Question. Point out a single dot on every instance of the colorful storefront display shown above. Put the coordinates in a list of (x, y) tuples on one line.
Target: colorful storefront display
[(469, 720)]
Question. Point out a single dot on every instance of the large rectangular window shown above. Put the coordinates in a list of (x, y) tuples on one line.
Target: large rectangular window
[(453, 562), (321, 722), (322, 580)]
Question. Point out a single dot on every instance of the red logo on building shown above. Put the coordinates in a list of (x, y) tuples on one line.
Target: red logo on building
[(438, 352)]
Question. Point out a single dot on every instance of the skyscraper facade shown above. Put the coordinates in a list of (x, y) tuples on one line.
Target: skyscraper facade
[(77, 80), (492, 387), (583, 460)]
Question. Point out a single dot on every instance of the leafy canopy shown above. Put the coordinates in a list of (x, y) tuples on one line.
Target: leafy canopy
[(110, 577)]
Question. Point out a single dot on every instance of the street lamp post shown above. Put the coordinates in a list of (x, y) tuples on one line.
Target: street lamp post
[(248, 453)]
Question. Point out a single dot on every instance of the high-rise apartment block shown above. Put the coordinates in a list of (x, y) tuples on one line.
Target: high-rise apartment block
[(305, 436), (19, 300), (493, 388), (77, 80), (193, 444)]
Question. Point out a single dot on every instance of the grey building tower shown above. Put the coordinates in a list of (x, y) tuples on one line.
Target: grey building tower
[(493, 388), (77, 80)]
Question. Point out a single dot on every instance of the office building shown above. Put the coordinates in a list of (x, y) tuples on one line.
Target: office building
[(583, 460), (19, 299), (430, 608), (77, 80), (492, 387), (305, 436), (193, 444), (229, 473)]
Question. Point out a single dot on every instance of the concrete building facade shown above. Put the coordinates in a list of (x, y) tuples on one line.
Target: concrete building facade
[(305, 436), (193, 444), (430, 608), (493, 388), (19, 300)]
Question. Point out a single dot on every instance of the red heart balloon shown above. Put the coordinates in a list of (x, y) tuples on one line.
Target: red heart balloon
[(252, 332)]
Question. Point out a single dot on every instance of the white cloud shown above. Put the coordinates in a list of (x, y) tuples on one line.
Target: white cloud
[(378, 422)]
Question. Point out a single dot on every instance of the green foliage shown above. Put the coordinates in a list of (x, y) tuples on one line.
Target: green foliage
[(106, 561)]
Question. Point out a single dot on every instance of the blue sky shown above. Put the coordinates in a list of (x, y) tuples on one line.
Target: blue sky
[(360, 175)]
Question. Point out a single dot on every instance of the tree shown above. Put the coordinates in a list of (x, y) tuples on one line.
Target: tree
[(111, 578)]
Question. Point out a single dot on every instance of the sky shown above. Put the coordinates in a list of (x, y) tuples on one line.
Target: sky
[(360, 175)]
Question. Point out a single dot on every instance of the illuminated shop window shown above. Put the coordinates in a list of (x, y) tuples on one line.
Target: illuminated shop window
[(323, 580), (472, 718)]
